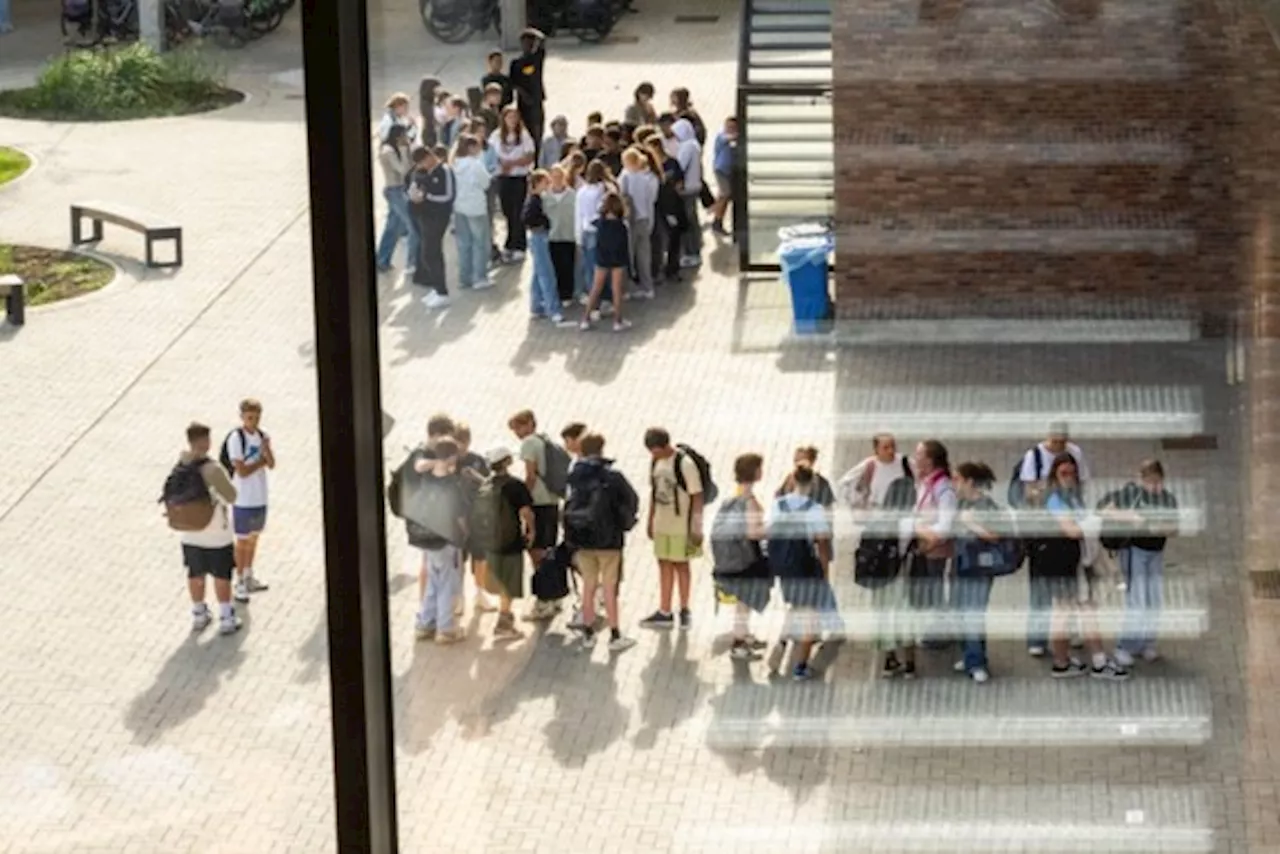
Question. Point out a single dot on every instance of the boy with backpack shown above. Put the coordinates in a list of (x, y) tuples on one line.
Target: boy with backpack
[(680, 486), (799, 550), (196, 496), (247, 455), (502, 524), (602, 507), (740, 569), (546, 476)]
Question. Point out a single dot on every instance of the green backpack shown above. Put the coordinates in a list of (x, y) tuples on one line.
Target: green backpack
[(494, 523)]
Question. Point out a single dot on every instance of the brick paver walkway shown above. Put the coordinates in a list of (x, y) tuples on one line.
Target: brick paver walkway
[(124, 734)]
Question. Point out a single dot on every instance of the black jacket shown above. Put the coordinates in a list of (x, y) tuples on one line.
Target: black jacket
[(439, 189)]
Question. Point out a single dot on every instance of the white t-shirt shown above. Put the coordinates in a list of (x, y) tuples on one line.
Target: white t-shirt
[(882, 477), (511, 152), (251, 491), (1028, 473)]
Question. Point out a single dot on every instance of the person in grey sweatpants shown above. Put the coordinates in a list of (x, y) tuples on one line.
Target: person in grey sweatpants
[(639, 186)]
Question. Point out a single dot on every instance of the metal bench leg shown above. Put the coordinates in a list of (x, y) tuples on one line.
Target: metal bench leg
[(151, 261), (16, 305), (177, 247), (75, 227), (97, 230)]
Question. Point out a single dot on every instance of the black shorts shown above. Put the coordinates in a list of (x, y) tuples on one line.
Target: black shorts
[(219, 562), (546, 526)]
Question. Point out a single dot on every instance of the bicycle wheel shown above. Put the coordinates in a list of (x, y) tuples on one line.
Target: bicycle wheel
[(264, 23), (447, 20)]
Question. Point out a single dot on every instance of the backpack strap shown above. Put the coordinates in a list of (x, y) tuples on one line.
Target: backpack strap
[(906, 468)]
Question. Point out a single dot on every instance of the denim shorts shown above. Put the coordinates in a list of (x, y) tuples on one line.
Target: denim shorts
[(248, 521)]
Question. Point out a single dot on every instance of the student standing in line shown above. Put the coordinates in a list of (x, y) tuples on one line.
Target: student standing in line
[(489, 157), (516, 151), (675, 525), (639, 186), (535, 455), (612, 260), (1151, 511), (587, 212), (560, 203), (799, 550), (251, 454), (396, 114), (544, 298), (471, 214), (432, 195), (724, 164), (936, 506), (641, 110), (435, 510), (503, 521), (672, 221), (740, 569), (975, 535), (490, 111), (682, 108), (495, 76), (689, 156), (396, 163), (472, 472), (552, 151)]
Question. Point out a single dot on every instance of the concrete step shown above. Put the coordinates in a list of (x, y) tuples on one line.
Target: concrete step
[(994, 412), (950, 819), (953, 712), (991, 330)]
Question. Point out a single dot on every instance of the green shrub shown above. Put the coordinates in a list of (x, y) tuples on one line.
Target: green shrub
[(128, 82)]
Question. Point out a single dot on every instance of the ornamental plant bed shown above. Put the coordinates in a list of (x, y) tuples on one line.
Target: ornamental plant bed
[(53, 275)]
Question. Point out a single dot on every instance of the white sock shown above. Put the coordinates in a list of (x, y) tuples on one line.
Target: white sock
[(226, 610), (248, 573), (199, 608), (1099, 660)]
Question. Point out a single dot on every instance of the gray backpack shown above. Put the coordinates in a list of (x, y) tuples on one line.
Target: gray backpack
[(731, 551)]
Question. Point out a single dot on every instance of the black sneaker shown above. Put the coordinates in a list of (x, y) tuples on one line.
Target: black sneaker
[(1110, 671), (892, 667), (658, 620), (909, 670), (1070, 670), (686, 619), (802, 672)]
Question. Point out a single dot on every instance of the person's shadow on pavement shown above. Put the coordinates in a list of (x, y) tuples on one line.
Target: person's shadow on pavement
[(193, 674)]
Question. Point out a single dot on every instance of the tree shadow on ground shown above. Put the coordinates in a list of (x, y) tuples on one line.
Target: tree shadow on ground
[(423, 331), (670, 690), (192, 674)]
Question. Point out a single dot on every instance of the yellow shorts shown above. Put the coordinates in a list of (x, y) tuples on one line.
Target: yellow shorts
[(675, 548), (599, 566)]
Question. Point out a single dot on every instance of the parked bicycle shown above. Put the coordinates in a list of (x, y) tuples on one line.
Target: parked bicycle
[(88, 23), (453, 21)]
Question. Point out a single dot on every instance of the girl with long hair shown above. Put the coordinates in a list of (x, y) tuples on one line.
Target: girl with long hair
[(516, 151), (396, 163), (612, 250)]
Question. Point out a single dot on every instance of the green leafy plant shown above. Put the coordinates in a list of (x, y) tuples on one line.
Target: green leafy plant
[(54, 274), (127, 82)]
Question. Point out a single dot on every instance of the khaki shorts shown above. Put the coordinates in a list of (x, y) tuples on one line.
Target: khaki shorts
[(599, 566), (674, 548)]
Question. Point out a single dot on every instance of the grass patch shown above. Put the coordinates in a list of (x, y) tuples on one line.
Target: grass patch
[(53, 274), (130, 82), (12, 164)]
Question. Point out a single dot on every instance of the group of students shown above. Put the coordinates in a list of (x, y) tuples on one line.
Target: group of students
[(604, 218), (933, 543)]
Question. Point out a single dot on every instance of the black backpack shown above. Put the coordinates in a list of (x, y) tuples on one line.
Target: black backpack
[(556, 463), (710, 492), (597, 513), (1114, 534), (790, 550), (185, 496), (550, 580), (224, 455), (879, 556)]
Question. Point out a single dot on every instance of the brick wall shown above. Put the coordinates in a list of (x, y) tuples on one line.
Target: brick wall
[(1102, 140)]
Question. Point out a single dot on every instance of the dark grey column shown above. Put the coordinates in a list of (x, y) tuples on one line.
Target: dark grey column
[(336, 59)]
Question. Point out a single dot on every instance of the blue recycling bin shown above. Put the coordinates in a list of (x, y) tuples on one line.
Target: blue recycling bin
[(804, 266)]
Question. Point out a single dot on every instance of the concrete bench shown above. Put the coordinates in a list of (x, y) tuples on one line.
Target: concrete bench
[(15, 298), (152, 228)]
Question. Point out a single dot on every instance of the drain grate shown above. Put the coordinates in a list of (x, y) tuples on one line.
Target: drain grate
[(1266, 584), (697, 19)]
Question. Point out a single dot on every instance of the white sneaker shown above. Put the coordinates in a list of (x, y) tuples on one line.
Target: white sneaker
[(1149, 655), (959, 667), (587, 642), (1124, 658), (595, 316), (483, 284), (229, 625), (517, 256), (433, 300), (1035, 651), (200, 621), (241, 591), (557, 318), (621, 325), (688, 262), (254, 585), (980, 675), (621, 644), (575, 623)]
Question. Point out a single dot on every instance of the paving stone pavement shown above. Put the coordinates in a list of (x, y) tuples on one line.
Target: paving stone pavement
[(128, 735)]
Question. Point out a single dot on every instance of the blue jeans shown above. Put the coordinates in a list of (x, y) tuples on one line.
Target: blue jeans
[(1143, 598), (444, 582), (399, 224), (586, 264), (6, 22), (1040, 602), (544, 298), (472, 233), (972, 594)]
